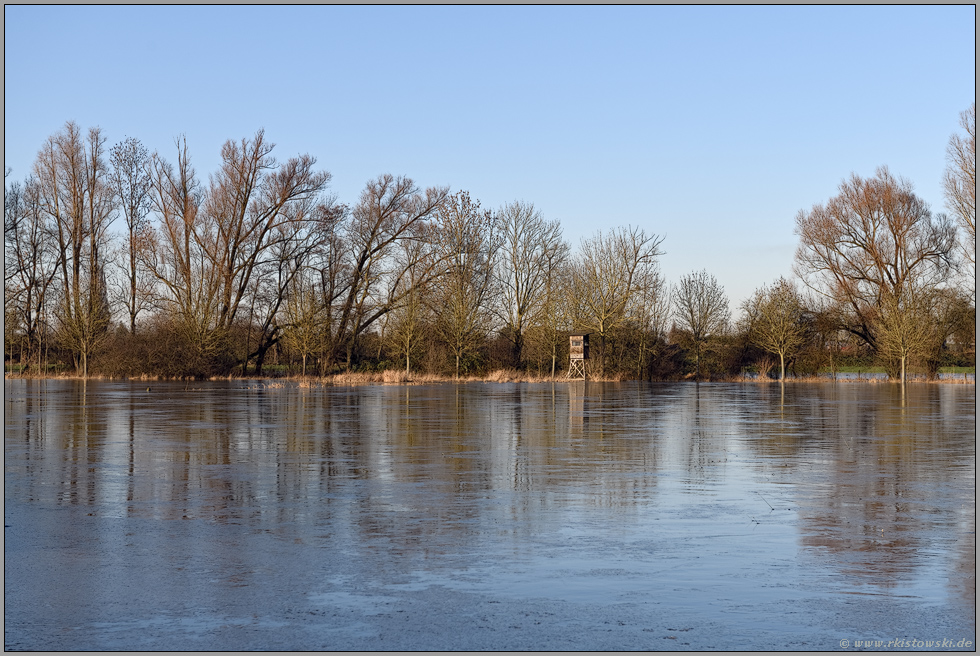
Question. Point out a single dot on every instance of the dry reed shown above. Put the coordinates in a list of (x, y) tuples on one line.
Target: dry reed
[(400, 377)]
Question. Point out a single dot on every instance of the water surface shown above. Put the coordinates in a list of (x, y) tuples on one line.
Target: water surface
[(238, 515)]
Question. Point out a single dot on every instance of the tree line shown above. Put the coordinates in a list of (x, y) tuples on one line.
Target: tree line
[(122, 262)]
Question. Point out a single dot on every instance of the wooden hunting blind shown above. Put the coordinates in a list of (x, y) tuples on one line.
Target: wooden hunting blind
[(578, 346), (578, 353)]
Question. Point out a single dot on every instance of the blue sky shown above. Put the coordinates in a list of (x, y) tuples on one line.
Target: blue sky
[(712, 126)]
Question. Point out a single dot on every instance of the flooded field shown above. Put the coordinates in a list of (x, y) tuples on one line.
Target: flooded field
[(236, 515)]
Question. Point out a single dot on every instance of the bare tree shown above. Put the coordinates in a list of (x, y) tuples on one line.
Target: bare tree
[(214, 247), (410, 318), (391, 209), (251, 201), (175, 250), (828, 339), (950, 314), (320, 280), (701, 308), (131, 183), (15, 232), (960, 183), (775, 320), (294, 244), (74, 189), (903, 328), (558, 308), (30, 266), (305, 317), (527, 254), (332, 268), (13, 212), (611, 275), (468, 245), (874, 239), (651, 316)]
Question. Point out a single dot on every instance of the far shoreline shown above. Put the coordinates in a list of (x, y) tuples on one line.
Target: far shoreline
[(395, 377)]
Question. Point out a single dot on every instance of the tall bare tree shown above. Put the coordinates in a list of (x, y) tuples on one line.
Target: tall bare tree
[(30, 267), (611, 275), (701, 308), (468, 245), (251, 202), (294, 245), (13, 212), (874, 239), (331, 268), (960, 183), (775, 320), (215, 246), (75, 192), (391, 209), (527, 254), (175, 250), (131, 183), (320, 280)]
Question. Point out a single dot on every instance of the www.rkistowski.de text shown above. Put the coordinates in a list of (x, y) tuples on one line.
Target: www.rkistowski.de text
[(907, 643)]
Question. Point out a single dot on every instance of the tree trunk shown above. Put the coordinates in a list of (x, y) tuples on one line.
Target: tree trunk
[(132, 286), (265, 343)]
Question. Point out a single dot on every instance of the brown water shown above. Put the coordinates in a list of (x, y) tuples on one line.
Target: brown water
[(236, 515)]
